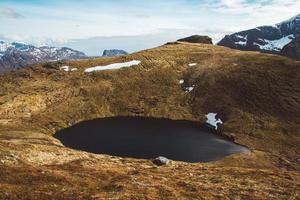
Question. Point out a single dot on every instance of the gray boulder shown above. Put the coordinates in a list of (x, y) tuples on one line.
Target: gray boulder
[(161, 161)]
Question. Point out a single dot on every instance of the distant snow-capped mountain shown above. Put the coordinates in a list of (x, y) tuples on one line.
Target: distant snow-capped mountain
[(268, 39), (17, 55)]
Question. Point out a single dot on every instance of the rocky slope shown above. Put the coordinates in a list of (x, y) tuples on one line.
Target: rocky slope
[(292, 50), (257, 96), (268, 39), (17, 55), (114, 52)]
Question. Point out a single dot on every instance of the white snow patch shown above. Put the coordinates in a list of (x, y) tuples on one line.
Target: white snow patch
[(4, 46), (242, 43), (19, 42), (65, 68), (276, 45), (239, 36), (192, 64), (181, 81), (242, 37), (211, 119), (189, 89), (113, 66), (68, 68)]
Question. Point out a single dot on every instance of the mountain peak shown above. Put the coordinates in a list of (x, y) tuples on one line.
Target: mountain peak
[(19, 54), (267, 39), (295, 19)]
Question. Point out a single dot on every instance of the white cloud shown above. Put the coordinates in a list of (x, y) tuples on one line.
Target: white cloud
[(146, 23), (238, 15), (232, 3), (270, 9), (9, 13), (38, 41)]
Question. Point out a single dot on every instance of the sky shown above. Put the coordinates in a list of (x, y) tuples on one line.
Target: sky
[(94, 25)]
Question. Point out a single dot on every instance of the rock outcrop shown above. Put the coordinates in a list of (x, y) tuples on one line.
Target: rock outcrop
[(197, 39), (161, 161), (114, 52)]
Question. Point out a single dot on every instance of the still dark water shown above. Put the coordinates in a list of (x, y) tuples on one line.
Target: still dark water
[(148, 138)]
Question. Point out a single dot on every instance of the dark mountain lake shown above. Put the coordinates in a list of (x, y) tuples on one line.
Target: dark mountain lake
[(148, 138)]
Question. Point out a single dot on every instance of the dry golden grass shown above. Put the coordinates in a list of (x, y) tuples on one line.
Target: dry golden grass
[(256, 95)]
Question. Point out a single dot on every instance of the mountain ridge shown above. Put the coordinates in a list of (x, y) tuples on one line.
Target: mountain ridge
[(266, 39), (18, 55)]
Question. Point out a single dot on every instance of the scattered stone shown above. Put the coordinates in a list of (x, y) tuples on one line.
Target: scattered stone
[(71, 123), (161, 161)]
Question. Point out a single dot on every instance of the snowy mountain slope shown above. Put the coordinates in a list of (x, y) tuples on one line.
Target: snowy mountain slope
[(16, 55), (269, 39)]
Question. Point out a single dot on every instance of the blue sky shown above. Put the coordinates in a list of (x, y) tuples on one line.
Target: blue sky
[(93, 25)]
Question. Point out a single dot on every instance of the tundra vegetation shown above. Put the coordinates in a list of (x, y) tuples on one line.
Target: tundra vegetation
[(256, 95)]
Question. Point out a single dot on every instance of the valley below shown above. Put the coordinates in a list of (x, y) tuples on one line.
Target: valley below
[(256, 95)]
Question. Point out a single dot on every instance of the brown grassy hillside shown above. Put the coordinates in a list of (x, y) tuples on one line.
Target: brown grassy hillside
[(256, 95)]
